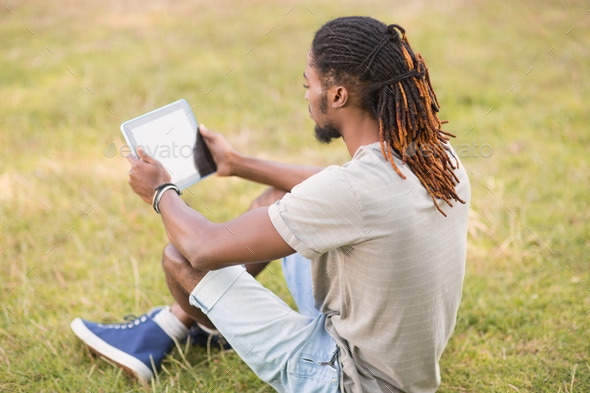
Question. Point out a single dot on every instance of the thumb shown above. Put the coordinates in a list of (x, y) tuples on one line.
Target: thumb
[(143, 155)]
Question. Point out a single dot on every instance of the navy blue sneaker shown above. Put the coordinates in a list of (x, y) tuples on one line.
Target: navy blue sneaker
[(200, 337), (137, 346)]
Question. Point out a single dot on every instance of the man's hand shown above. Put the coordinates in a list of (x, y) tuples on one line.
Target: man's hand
[(222, 152), (231, 163), (146, 174)]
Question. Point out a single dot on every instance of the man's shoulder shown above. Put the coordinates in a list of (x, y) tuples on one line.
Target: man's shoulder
[(330, 178)]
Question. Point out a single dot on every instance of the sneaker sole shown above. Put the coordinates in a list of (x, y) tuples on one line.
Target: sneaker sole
[(131, 365)]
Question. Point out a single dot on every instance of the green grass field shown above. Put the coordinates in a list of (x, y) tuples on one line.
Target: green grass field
[(512, 78)]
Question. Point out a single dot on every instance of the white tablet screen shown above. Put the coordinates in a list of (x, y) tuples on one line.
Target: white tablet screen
[(170, 140)]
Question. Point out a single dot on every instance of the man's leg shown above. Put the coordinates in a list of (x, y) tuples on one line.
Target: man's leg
[(171, 257), (179, 276), (290, 351), (253, 268), (139, 346), (297, 271)]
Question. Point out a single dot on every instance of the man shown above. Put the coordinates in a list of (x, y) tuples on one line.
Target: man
[(385, 233)]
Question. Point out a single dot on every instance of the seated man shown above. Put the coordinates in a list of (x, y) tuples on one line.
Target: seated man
[(385, 233)]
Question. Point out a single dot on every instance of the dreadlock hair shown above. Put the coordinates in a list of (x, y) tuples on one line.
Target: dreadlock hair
[(377, 64)]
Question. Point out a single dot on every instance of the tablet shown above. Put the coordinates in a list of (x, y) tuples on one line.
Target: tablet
[(170, 135)]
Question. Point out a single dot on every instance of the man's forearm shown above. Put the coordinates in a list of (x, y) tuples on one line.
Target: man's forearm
[(210, 246), (275, 174), (185, 228)]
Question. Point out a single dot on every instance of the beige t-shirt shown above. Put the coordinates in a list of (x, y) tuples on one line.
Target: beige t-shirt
[(387, 267)]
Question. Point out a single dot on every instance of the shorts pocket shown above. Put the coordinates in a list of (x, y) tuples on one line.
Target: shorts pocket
[(319, 366)]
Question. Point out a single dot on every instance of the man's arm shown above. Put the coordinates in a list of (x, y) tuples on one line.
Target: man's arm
[(207, 246), (250, 237), (231, 163)]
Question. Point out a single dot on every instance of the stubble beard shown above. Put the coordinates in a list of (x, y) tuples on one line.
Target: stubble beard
[(328, 132)]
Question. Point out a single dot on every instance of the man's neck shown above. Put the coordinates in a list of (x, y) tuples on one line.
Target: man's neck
[(359, 129)]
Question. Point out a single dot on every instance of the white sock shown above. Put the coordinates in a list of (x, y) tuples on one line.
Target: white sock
[(170, 324)]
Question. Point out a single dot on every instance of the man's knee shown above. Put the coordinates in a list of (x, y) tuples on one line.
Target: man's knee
[(171, 257), (267, 198), (179, 270), (175, 265)]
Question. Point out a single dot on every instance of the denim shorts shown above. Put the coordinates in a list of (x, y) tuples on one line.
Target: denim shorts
[(290, 350)]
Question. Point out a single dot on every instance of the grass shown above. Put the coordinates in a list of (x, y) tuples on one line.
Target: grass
[(74, 240)]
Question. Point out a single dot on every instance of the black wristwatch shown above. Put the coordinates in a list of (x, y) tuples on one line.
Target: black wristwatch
[(159, 191)]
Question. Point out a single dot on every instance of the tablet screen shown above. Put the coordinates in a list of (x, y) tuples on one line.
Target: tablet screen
[(169, 134)]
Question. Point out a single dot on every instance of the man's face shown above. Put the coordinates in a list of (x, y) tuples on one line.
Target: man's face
[(318, 108)]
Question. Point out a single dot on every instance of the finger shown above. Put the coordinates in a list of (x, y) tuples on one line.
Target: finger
[(204, 131), (132, 160)]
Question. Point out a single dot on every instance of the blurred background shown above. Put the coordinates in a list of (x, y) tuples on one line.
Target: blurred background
[(512, 79)]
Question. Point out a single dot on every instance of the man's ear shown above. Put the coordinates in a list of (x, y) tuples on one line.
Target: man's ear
[(339, 97)]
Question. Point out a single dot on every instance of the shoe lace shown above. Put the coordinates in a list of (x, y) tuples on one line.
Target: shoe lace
[(133, 320), (130, 321), (133, 317)]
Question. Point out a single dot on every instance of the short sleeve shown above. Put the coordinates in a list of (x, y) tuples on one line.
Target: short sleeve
[(319, 215)]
